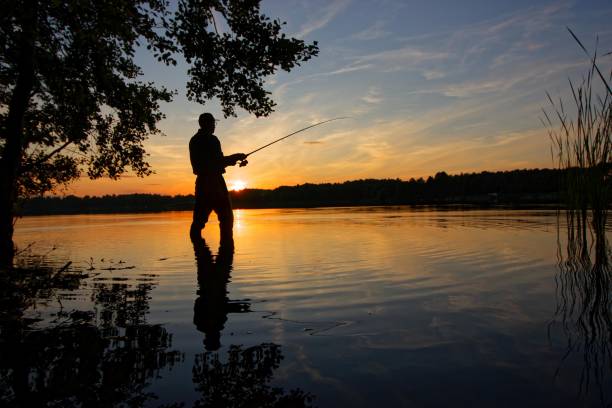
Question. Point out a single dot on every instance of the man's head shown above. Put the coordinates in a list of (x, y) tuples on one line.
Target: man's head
[(207, 122)]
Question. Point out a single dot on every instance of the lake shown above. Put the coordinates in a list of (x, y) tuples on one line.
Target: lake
[(328, 307)]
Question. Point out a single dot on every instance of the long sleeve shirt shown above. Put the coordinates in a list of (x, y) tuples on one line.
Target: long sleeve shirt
[(206, 155)]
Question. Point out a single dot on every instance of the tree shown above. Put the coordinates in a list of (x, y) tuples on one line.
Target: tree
[(71, 98)]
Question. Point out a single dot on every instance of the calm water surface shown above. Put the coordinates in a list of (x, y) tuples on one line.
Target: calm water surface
[(347, 306)]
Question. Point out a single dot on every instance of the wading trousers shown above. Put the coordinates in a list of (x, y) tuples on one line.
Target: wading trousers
[(211, 195)]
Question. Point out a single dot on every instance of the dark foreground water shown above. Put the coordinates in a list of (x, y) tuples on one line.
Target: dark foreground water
[(319, 307)]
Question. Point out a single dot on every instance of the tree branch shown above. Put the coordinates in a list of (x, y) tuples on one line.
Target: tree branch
[(47, 156), (212, 17)]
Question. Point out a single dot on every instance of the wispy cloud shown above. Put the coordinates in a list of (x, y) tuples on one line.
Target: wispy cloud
[(373, 32), (511, 36), (405, 57), (373, 96), (473, 88), (345, 70), (326, 15), (501, 84), (533, 18), (168, 152), (387, 61), (431, 74)]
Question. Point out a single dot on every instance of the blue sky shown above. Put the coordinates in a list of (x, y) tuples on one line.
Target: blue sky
[(429, 85)]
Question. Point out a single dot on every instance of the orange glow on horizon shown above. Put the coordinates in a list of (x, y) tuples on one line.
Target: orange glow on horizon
[(237, 185)]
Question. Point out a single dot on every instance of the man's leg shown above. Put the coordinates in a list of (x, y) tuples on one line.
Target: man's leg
[(201, 211), (226, 219)]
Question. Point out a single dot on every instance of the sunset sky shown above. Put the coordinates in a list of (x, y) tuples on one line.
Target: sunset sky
[(429, 85)]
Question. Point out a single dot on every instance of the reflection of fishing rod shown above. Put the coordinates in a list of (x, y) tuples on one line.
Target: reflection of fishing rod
[(244, 162)]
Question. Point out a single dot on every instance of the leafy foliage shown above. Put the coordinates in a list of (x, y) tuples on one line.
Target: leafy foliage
[(89, 111), (251, 50)]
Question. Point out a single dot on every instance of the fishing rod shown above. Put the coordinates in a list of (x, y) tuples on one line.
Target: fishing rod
[(244, 162)]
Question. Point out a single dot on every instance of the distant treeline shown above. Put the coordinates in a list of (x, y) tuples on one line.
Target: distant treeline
[(536, 186)]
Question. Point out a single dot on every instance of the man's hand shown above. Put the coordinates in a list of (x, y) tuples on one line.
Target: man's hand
[(242, 159), (237, 157)]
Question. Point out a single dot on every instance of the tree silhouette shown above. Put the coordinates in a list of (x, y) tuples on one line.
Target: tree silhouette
[(242, 380), (535, 186), (71, 100), (106, 356)]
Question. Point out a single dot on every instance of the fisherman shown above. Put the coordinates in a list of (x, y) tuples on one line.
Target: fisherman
[(208, 163)]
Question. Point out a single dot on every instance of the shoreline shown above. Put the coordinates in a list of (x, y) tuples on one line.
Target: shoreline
[(439, 207)]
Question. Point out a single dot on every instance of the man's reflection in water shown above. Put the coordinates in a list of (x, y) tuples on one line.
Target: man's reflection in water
[(243, 378), (212, 304)]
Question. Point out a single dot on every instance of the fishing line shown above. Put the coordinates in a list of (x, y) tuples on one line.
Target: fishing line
[(244, 162)]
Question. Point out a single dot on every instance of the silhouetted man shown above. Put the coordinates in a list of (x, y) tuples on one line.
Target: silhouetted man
[(208, 163)]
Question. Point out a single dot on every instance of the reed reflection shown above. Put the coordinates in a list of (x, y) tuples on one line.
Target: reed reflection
[(212, 305), (584, 304)]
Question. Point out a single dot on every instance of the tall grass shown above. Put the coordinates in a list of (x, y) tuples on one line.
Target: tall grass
[(582, 148)]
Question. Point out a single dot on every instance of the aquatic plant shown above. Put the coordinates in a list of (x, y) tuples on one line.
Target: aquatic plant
[(32, 280), (582, 148)]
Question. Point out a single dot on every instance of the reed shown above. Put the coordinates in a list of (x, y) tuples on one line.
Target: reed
[(582, 148)]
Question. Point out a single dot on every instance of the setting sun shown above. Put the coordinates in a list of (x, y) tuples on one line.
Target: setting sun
[(237, 185)]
